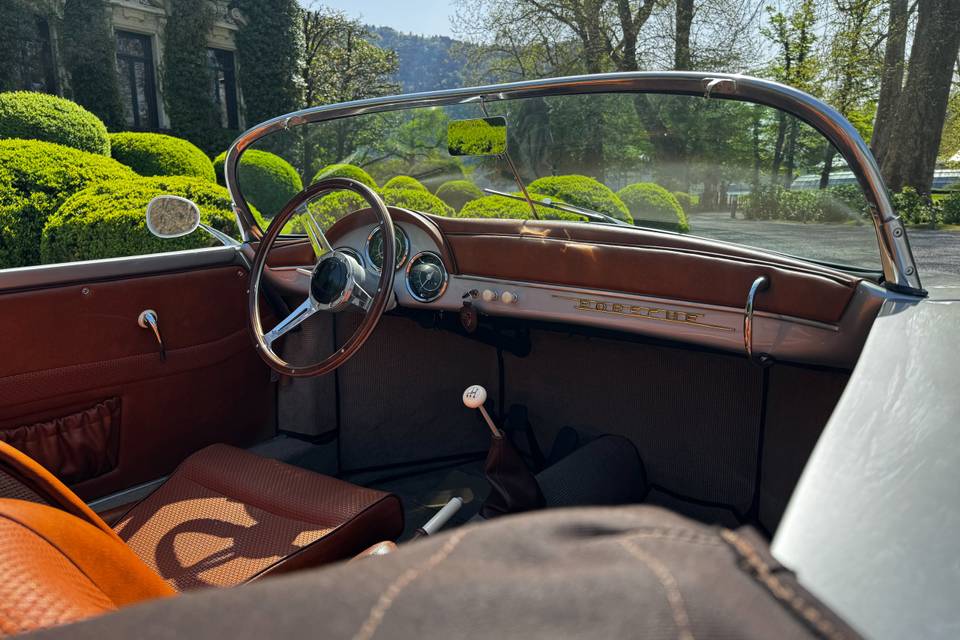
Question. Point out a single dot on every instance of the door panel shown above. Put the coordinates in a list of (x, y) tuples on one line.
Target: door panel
[(67, 348)]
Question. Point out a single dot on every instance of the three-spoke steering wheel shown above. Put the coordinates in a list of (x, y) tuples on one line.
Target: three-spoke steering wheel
[(336, 281)]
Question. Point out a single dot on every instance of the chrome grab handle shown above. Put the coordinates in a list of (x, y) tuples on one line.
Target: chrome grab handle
[(148, 320), (760, 284)]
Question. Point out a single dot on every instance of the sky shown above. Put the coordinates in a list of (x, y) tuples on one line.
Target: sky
[(425, 17)]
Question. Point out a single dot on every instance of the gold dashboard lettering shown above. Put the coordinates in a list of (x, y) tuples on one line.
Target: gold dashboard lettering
[(592, 305)]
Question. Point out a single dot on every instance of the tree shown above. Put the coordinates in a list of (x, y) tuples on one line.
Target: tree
[(269, 49), (910, 153), (891, 81), (90, 56)]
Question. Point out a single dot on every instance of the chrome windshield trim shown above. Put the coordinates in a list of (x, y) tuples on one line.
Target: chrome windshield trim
[(899, 267)]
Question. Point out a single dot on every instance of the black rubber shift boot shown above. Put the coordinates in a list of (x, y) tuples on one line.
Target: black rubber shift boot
[(513, 489)]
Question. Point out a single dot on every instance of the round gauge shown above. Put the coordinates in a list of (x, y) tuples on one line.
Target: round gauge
[(352, 253), (375, 248), (426, 277)]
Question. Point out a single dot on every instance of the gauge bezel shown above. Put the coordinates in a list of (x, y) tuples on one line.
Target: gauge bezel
[(403, 258), (353, 253), (443, 269)]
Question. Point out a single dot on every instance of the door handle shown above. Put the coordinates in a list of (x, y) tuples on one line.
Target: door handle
[(148, 320)]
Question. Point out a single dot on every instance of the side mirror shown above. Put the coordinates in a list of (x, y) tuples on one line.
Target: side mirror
[(477, 137), (172, 216)]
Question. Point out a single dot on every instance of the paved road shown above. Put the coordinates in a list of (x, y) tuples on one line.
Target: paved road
[(937, 252)]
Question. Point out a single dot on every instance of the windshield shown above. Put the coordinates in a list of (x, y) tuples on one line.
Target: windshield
[(722, 169)]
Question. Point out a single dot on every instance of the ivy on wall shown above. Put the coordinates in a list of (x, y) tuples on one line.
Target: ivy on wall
[(269, 47), (186, 75), (89, 54), (17, 23)]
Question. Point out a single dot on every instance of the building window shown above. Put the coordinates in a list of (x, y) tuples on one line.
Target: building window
[(223, 86), (137, 86), (33, 62)]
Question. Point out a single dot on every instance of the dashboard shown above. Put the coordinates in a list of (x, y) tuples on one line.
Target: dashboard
[(668, 286)]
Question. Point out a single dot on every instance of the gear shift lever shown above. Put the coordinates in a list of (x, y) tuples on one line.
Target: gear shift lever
[(473, 397), (512, 487)]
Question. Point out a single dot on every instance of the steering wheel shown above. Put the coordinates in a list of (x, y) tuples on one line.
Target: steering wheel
[(336, 281)]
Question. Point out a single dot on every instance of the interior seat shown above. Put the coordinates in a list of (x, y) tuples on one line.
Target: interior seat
[(226, 516)]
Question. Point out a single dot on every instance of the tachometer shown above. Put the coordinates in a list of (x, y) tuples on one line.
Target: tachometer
[(426, 276), (375, 248)]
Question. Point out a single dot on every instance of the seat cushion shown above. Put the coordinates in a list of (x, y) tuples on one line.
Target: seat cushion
[(227, 516)]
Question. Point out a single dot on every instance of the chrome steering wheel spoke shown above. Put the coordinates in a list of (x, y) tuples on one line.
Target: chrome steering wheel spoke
[(314, 231), (360, 297), (292, 321)]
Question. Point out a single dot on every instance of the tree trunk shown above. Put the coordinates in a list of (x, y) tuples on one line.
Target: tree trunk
[(910, 154), (778, 146), (681, 49), (891, 81), (828, 155)]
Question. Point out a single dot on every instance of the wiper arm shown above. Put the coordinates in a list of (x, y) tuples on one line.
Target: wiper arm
[(589, 214)]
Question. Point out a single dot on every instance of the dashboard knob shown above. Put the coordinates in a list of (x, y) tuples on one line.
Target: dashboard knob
[(508, 297), (488, 295)]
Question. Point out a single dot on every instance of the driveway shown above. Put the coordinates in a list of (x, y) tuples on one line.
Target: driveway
[(937, 252)]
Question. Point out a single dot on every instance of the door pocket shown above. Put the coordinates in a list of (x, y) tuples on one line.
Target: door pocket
[(74, 447)]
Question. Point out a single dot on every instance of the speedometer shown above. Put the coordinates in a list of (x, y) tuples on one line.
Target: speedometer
[(375, 248), (426, 277)]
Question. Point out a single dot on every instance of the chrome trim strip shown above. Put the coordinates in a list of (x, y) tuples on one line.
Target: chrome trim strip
[(760, 284), (65, 273), (899, 268), (127, 496)]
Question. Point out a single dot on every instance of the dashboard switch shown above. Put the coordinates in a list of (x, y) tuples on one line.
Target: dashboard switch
[(488, 295), (508, 297)]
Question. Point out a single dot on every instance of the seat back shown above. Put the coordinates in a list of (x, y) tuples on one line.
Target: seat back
[(23, 478), (56, 568)]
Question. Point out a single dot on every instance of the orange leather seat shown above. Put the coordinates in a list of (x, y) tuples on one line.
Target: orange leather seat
[(224, 517)]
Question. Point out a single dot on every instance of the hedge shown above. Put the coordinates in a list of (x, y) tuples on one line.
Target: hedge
[(686, 200), (836, 204), (584, 192), (40, 116), (951, 208), (155, 154), (328, 209), (502, 207), (417, 199), (107, 220), (267, 181), (35, 179), (404, 182), (457, 193), (345, 171), (652, 205)]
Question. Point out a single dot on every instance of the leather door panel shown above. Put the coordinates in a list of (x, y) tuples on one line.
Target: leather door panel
[(67, 348)]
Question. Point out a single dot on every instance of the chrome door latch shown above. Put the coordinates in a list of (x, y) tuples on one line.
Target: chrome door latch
[(148, 320)]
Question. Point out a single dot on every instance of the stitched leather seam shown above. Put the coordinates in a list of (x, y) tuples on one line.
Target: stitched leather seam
[(670, 586), (765, 575)]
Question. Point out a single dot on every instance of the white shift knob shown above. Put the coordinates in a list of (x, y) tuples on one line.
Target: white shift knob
[(474, 396)]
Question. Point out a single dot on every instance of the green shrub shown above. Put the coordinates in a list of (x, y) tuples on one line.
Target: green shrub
[(267, 181), (430, 172), (107, 220), (652, 205), (951, 208), (582, 192), (457, 193), (913, 208), (328, 209), (35, 178), (345, 171), (842, 203), (40, 116), (416, 199), (154, 154), (404, 182), (836, 204), (686, 200), (502, 207)]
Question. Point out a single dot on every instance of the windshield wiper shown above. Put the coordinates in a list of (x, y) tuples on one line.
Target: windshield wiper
[(589, 214)]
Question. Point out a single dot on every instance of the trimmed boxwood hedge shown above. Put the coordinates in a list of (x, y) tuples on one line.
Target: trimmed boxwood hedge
[(267, 181), (653, 206), (686, 200), (328, 209), (345, 171), (582, 191), (40, 116), (107, 220), (155, 154), (35, 178), (503, 207), (457, 193), (404, 182), (418, 200)]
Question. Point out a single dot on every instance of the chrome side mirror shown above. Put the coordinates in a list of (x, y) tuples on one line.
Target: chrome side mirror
[(173, 217)]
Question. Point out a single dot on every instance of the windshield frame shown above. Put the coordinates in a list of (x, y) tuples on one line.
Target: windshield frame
[(899, 267)]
